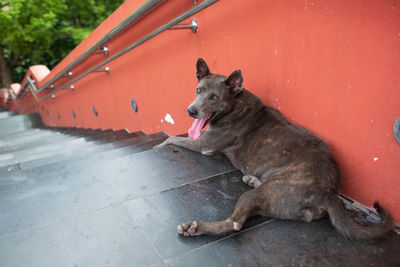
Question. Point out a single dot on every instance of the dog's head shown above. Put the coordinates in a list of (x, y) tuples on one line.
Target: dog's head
[(214, 96)]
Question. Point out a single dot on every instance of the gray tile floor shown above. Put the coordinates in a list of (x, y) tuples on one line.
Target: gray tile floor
[(119, 206)]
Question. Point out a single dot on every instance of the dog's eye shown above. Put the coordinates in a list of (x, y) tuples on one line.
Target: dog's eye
[(198, 91), (214, 97)]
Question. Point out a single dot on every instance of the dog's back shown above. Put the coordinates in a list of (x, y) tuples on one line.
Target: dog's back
[(300, 177)]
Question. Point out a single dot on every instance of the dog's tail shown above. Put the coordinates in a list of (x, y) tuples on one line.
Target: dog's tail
[(347, 227)]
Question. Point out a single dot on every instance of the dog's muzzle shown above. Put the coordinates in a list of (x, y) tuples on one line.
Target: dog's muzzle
[(192, 112)]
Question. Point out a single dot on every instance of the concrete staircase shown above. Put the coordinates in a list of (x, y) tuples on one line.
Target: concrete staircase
[(75, 197)]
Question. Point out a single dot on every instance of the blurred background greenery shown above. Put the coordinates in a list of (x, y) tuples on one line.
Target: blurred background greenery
[(44, 31)]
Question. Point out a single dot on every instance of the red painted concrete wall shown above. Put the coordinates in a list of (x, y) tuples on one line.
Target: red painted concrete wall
[(332, 66)]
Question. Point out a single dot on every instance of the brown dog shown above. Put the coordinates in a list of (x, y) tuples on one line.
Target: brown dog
[(293, 172)]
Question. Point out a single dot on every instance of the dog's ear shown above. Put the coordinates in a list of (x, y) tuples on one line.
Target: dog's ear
[(234, 82), (201, 69)]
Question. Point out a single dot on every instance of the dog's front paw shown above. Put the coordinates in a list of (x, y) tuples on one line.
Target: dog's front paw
[(165, 143), (158, 146), (188, 228)]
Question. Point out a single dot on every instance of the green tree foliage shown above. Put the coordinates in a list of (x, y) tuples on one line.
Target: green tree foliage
[(44, 31)]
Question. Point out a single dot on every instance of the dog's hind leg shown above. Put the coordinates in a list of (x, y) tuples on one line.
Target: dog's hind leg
[(252, 181), (249, 204)]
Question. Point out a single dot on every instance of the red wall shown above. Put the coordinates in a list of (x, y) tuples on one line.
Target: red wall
[(332, 66)]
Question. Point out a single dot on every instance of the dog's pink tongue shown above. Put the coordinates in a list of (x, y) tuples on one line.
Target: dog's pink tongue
[(195, 131)]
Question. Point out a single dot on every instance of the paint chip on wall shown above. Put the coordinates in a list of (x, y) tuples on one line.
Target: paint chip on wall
[(375, 158), (169, 119)]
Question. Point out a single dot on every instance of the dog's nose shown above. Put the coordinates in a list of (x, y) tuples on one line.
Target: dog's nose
[(192, 112)]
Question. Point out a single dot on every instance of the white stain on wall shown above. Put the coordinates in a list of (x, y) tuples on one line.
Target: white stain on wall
[(169, 119)]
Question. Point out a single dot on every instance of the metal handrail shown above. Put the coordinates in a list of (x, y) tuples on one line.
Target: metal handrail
[(161, 29), (136, 15), (191, 26), (31, 85)]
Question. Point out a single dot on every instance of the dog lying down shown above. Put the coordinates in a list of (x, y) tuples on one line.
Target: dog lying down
[(293, 172)]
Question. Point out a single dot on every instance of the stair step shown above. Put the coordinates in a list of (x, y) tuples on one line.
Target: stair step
[(23, 134), (114, 136), (104, 136), (20, 140), (31, 145), (51, 159), (59, 152), (49, 150), (140, 139), (14, 124), (27, 201), (6, 114), (41, 168), (10, 168), (30, 200), (50, 141), (103, 237), (19, 123), (77, 132), (211, 199), (51, 164), (50, 144), (6, 163), (156, 170)]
